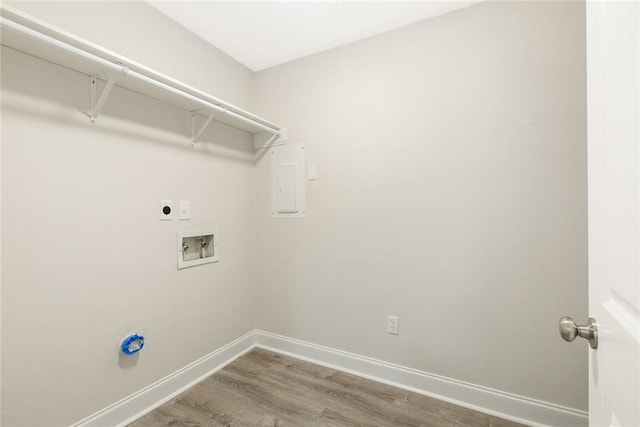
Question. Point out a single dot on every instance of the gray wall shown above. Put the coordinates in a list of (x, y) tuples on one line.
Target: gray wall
[(451, 192), (86, 260)]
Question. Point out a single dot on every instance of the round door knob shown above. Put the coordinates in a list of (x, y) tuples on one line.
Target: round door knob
[(569, 330)]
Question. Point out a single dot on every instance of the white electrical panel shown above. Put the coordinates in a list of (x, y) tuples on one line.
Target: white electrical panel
[(197, 247), (288, 181)]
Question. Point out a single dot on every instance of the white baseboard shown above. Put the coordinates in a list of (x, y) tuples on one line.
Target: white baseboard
[(495, 402), (143, 401), (505, 405)]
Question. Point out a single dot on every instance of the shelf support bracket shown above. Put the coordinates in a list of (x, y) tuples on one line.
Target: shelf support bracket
[(98, 103), (267, 140), (272, 140), (195, 136)]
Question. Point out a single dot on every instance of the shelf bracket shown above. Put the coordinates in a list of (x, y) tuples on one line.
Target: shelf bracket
[(97, 104), (266, 140), (195, 136)]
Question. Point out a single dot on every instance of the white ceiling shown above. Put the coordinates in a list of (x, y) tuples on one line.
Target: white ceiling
[(261, 34)]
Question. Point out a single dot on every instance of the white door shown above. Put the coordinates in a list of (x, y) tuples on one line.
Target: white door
[(613, 93)]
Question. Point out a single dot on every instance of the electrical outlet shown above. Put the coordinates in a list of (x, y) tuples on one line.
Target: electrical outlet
[(166, 207), (393, 325), (185, 209)]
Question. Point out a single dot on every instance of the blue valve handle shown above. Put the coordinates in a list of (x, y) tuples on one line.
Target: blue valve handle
[(132, 344)]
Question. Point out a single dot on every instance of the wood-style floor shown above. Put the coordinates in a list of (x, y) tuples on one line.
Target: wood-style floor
[(263, 388)]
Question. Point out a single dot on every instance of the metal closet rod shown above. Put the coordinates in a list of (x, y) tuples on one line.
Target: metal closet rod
[(123, 70)]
